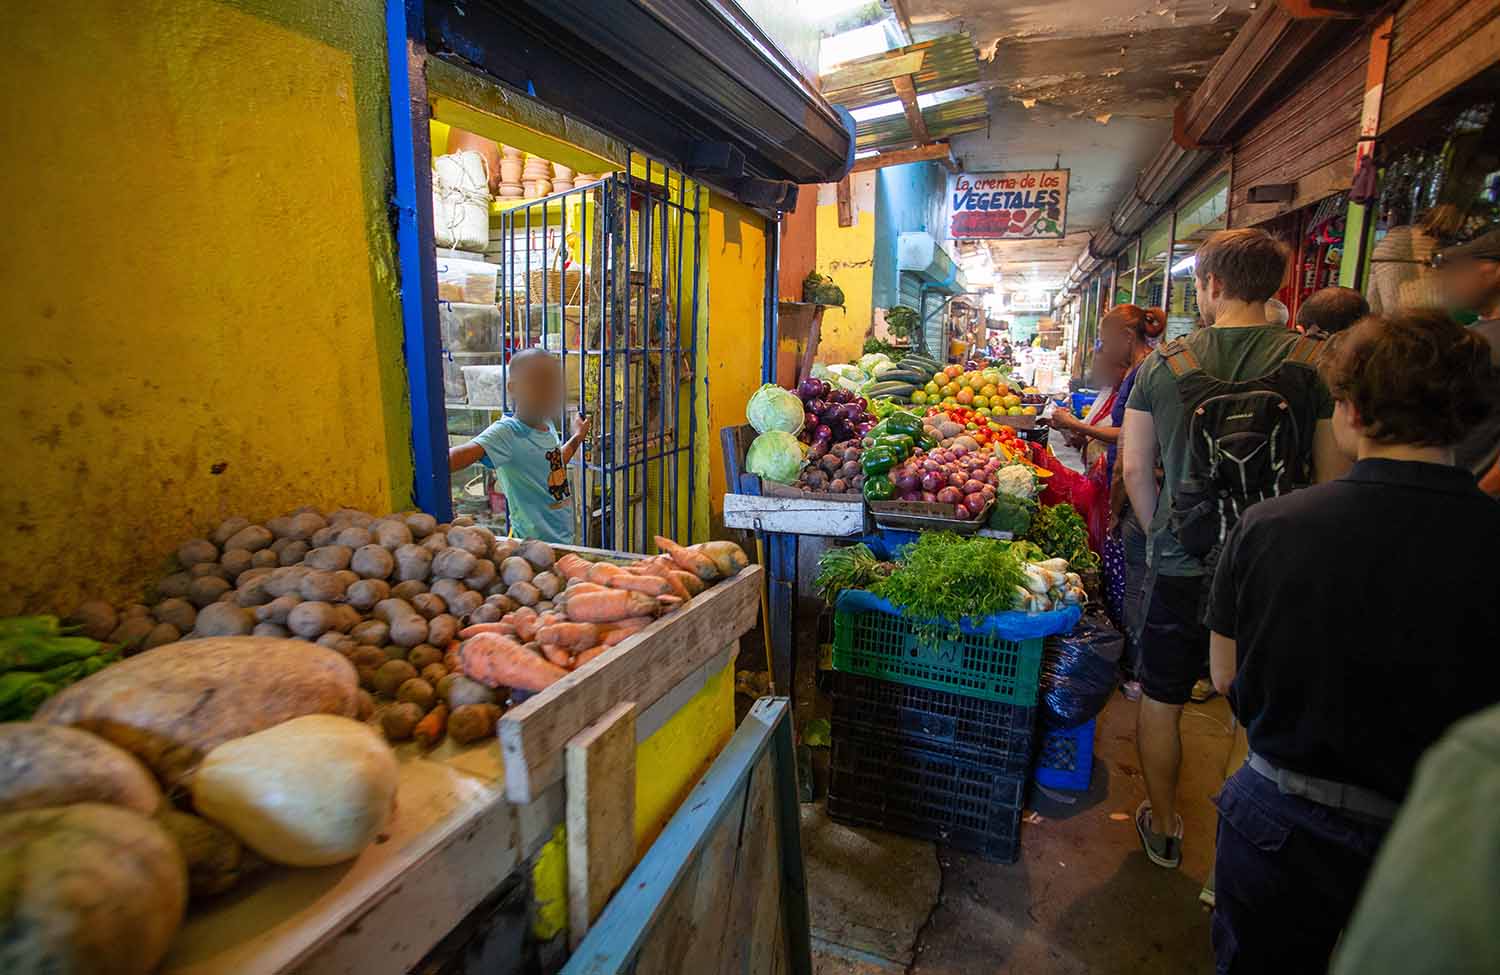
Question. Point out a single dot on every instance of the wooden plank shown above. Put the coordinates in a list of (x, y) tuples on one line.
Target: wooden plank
[(906, 90), (932, 152), (600, 776), (753, 907), (641, 669), (845, 202), (864, 73), (1455, 51), (795, 516)]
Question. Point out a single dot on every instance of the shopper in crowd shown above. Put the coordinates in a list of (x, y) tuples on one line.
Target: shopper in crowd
[(530, 461), (1327, 312), (1470, 276), (1247, 363), (1401, 275), (1277, 312), (1353, 623)]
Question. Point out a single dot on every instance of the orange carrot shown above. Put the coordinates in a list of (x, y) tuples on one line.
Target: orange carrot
[(503, 627), (650, 585), (602, 572), (582, 585), (610, 605), (572, 566), (525, 622), (429, 731), (588, 655), (571, 636), (695, 562), (499, 661)]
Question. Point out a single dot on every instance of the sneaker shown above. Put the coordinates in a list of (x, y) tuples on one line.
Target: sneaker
[(1206, 896), (1131, 689), (1162, 850), (1203, 691)]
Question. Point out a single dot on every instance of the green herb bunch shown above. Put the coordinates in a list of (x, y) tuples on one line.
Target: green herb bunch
[(943, 577), (849, 567), (1059, 531)]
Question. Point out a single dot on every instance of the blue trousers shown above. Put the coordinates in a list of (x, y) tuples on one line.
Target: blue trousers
[(1287, 874)]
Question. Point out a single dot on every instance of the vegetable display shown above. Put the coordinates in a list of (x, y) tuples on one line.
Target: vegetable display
[(942, 577), (848, 567), (773, 408), (1059, 530), (833, 468), (39, 657), (776, 456)]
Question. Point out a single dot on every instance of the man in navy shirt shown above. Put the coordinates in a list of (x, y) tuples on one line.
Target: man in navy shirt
[(1351, 624)]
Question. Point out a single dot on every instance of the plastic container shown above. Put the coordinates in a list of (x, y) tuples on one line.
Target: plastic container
[(1066, 759), (965, 805), (470, 281), (1002, 736), (485, 384)]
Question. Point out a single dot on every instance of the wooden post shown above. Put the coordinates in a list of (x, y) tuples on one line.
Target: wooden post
[(846, 203), (906, 90), (600, 775)]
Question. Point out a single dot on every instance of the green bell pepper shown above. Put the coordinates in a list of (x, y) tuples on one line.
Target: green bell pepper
[(901, 422), (899, 442), (879, 488), (878, 460)]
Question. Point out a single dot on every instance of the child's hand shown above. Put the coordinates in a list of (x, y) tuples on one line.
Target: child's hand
[(581, 424)]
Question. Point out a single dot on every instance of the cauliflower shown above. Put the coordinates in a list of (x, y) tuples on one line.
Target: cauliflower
[(1016, 481)]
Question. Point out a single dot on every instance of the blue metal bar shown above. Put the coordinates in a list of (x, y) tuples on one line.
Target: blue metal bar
[(421, 338), (693, 354), (771, 303)]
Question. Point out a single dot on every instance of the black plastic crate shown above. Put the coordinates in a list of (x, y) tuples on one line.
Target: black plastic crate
[(966, 805), (993, 733)]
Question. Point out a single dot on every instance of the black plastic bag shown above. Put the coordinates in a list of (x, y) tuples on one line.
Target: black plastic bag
[(1079, 671)]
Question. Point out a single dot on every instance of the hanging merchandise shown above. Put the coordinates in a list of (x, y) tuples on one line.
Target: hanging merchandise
[(461, 201)]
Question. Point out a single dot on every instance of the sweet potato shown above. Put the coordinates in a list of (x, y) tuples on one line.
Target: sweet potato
[(557, 655), (616, 632), (695, 562), (601, 573), (691, 584), (499, 661), (609, 606), (469, 723), (54, 765), (650, 585), (727, 557), (669, 604), (171, 705), (570, 636), (503, 627), (572, 566), (589, 654)]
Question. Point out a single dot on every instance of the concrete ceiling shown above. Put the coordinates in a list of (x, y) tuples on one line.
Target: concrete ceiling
[(1088, 86)]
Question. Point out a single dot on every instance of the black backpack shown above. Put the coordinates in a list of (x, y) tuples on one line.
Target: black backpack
[(1247, 441)]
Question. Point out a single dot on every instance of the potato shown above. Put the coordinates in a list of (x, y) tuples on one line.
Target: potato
[(216, 861), (516, 569), (465, 604), (236, 560), (281, 543), (202, 592), (368, 656), (346, 577), (272, 630), (355, 536), (311, 619), (153, 704), (251, 538), (344, 517), (441, 629), (413, 563), (345, 617), (504, 548), (524, 593), (366, 705), (227, 529), (391, 675), (179, 612), (322, 586), (335, 640), (435, 542), (434, 672), (299, 526), (486, 613), (549, 584), (544, 606), (390, 532), (196, 550), (174, 586), (482, 576), (252, 573), (373, 562), (54, 765), (95, 618), (285, 580), (294, 552), (472, 722), (371, 632), (448, 589), (502, 602), (365, 593), (452, 563), (469, 540), (429, 604), (398, 721), (394, 652), (161, 634), (204, 569), (390, 610), (419, 523), (329, 558), (539, 554), (461, 520), (408, 631), (277, 610), (223, 619), (265, 558), (366, 679), (418, 692), (423, 654), (406, 590), (327, 535)]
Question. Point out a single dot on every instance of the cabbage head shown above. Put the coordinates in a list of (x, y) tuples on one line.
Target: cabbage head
[(774, 408), (776, 456)]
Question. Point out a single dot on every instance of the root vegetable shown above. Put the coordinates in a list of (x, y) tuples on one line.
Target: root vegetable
[(312, 791), (216, 861), (345, 617), (429, 731), (423, 654), (340, 642), (601, 572), (435, 542), (372, 562), (441, 630), (619, 631), (413, 563), (499, 661), (236, 561), (570, 636), (366, 706), (516, 569), (502, 602), (417, 691), (469, 723), (471, 540), (390, 533), (573, 566), (727, 557), (179, 612), (408, 631), (452, 563), (448, 589), (355, 536), (461, 691), (364, 594), (419, 523), (486, 614), (390, 610), (161, 634), (505, 627), (203, 569), (374, 633), (539, 554), (524, 593), (668, 604), (686, 584), (265, 559), (368, 657), (293, 552), (174, 586), (429, 604), (223, 619), (271, 630), (504, 548), (196, 550), (54, 765), (695, 562), (227, 529), (650, 585), (329, 558), (391, 675), (327, 535), (557, 655), (406, 590), (201, 592), (345, 517), (282, 527), (285, 580), (96, 618), (306, 523), (545, 606), (277, 610), (398, 721), (322, 585), (433, 673), (310, 619), (463, 520), (251, 538), (548, 584), (589, 655), (482, 576), (465, 603), (608, 606)]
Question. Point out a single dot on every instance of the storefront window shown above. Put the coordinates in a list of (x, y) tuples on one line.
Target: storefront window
[(1125, 275), (1151, 280), (1197, 219)]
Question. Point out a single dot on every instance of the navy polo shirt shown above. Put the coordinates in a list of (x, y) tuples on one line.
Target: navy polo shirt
[(1366, 615)]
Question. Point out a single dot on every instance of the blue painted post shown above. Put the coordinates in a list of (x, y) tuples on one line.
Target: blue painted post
[(411, 152)]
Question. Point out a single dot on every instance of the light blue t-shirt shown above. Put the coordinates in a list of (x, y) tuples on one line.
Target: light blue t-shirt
[(528, 464)]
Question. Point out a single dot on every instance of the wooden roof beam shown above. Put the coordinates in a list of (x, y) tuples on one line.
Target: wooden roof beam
[(939, 152), (906, 90)]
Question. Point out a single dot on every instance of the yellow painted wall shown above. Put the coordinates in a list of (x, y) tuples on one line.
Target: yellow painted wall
[(736, 263), (847, 254), (197, 281)]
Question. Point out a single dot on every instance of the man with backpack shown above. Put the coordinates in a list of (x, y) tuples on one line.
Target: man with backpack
[(1235, 413)]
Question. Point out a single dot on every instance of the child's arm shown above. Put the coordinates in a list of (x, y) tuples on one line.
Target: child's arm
[(463, 455), (491, 445), (580, 431)]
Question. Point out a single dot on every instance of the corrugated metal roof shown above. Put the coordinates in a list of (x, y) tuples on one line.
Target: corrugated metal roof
[(947, 62), (943, 121)]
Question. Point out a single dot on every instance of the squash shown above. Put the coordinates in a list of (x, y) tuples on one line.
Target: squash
[(87, 889), (171, 705), (309, 792), (54, 765)]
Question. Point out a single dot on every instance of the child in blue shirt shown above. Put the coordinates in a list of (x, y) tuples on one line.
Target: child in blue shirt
[(524, 449)]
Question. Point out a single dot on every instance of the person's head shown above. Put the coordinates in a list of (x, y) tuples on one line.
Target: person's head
[(534, 380), (1471, 274), (1330, 311), (1127, 332), (1416, 379), (1244, 266), (1277, 312)]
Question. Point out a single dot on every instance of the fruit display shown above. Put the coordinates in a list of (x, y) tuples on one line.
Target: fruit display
[(901, 382), (986, 391)]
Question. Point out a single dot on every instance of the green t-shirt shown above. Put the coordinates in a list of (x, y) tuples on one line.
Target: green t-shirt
[(1231, 354)]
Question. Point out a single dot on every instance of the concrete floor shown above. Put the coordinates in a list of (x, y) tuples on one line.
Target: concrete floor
[(1082, 899)]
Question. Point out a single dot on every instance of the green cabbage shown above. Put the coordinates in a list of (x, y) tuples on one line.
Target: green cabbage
[(776, 456), (774, 408)]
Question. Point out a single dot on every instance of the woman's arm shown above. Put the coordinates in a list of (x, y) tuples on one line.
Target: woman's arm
[(1223, 659), (1137, 460)]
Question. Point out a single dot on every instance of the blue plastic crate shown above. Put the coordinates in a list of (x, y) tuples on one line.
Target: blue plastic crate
[(1082, 400), (1066, 759)]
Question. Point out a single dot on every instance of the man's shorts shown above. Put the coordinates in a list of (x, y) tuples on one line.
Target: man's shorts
[(1174, 640)]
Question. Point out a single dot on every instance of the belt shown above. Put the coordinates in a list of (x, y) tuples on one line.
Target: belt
[(1335, 795)]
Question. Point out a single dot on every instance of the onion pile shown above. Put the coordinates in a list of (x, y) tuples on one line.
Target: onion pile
[(959, 475), (832, 415), (833, 468)]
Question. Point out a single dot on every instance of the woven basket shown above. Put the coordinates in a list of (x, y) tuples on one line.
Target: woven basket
[(550, 283)]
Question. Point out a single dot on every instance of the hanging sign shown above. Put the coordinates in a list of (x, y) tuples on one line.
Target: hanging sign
[(1027, 204)]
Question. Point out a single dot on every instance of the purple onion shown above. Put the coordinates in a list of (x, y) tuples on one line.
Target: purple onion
[(823, 432), (810, 389), (815, 406), (809, 420), (908, 483)]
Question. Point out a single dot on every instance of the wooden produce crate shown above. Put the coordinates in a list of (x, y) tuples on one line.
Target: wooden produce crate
[(760, 505)]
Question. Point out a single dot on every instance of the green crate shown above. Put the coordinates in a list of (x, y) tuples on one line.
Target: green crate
[(884, 646)]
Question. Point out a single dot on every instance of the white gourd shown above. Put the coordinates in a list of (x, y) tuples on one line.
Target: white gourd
[(308, 792)]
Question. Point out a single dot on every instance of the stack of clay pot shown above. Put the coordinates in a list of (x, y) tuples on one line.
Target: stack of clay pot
[(510, 187), (537, 177), (562, 179)]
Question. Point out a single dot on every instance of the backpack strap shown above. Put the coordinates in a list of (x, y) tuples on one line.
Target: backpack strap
[(1179, 358), (1305, 352)]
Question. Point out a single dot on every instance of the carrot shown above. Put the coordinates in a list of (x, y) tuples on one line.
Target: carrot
[(588, 655), (573, 636), (602, 572), (727, 557), (474, 629), (557, 655), (650, 585), (625, 628), (572, 566), (582, 585), (610, 605), (689, 582), (429, 730), (499, 661), (669, 603), (695, 562), (525, 622)]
